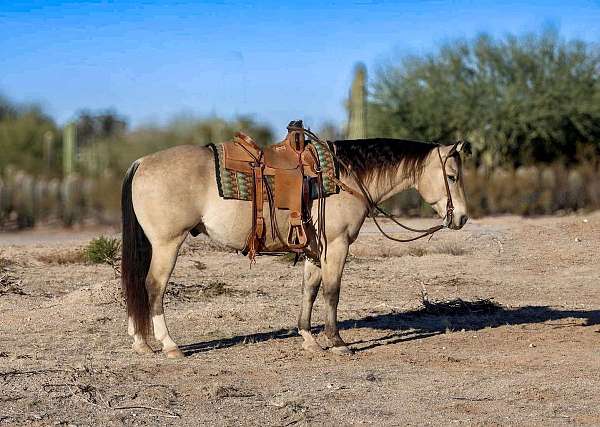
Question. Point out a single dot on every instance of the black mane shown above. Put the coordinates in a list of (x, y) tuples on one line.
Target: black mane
[(383, 156)]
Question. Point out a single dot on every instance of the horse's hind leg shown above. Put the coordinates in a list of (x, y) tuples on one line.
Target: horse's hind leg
[(140, 345), (310, 288), (164, 256)]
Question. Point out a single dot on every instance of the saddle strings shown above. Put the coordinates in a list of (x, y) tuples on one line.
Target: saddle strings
[(320, 222), (321, 200)]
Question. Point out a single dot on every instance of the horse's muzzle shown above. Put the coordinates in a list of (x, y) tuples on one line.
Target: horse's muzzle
[(461, 223), (452, 225)]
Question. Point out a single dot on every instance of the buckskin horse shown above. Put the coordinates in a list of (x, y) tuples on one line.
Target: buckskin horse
[(171, 193)]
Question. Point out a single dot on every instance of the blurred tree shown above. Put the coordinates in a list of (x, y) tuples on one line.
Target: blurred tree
[(104, 156), (518, 99), (329, 131), (7, 109), (103, 125), (22, 130)]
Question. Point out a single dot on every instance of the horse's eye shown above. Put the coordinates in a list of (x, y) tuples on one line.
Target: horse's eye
[(451, 178)]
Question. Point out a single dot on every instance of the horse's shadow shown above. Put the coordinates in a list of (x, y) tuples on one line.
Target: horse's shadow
[(432, 319)]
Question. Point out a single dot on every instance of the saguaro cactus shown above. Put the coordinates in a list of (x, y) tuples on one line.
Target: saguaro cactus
[(357, 104), (55, 199), (24, 199), (48, 140), (3, 202), (71, 200), (69, 149)]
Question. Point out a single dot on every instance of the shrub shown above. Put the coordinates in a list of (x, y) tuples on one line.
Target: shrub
[(519, 99), (103, 250)]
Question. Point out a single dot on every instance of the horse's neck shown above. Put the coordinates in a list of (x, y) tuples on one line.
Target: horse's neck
[(381, 187)]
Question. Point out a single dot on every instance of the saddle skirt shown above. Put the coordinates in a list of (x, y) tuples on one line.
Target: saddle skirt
[(287, 176)]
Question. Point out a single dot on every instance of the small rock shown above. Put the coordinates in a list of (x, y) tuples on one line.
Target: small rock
[(585, 220), (532, 345), (371, 377), (577, 239)]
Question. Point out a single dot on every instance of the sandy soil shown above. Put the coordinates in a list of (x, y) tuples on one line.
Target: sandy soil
[(532, 359)]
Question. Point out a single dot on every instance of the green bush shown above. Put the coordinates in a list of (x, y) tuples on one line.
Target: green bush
[(103, 250), (519, 99)]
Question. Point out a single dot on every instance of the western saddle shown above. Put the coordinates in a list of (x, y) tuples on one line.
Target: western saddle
[(280, 175)]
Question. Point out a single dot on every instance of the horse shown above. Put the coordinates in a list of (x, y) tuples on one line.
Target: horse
[(172, 193)]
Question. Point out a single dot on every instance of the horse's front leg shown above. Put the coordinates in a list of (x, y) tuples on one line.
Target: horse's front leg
[(332, 269), (311, 281)]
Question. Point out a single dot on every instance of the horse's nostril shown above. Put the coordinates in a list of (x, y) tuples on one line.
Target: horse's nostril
[(463, 220)]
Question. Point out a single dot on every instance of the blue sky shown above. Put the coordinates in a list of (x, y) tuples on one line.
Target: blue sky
[(276, 60)]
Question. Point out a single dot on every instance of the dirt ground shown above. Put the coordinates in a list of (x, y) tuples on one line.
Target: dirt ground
[(528, 356)]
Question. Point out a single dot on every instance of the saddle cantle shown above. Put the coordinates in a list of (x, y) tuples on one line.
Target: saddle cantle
[(288, 175)]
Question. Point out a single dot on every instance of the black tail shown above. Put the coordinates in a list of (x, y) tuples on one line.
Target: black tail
[(135, 260)]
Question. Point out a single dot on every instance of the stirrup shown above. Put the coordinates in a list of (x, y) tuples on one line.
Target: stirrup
[(296, 238)]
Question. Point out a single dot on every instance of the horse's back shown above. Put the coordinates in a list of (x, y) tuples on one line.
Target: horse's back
[(179, 157)]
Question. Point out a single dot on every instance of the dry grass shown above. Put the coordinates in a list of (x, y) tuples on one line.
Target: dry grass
[(451, 249), (291, 258), (5, 262), (10, 284), (203, 244), (98, 250), (218, 392), (399, 250), (213, 289), (201, 292), (417, 251), (70, 256)]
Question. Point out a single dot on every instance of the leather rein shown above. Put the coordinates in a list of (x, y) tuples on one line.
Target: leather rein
[(374, 207)]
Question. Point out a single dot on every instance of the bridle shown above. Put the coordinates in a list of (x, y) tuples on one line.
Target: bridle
[(449, 205), (373, 207)]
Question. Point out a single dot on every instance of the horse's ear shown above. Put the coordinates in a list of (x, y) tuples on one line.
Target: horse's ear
[(461, 147)]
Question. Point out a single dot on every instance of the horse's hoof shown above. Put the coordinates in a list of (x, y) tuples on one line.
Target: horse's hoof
[(174, 354), (142, 348), (312, 347), (342, 350)]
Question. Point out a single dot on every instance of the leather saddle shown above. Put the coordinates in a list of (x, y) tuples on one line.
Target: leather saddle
[(280, 175)]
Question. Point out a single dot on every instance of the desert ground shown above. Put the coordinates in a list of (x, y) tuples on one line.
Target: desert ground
[(495, 324)]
